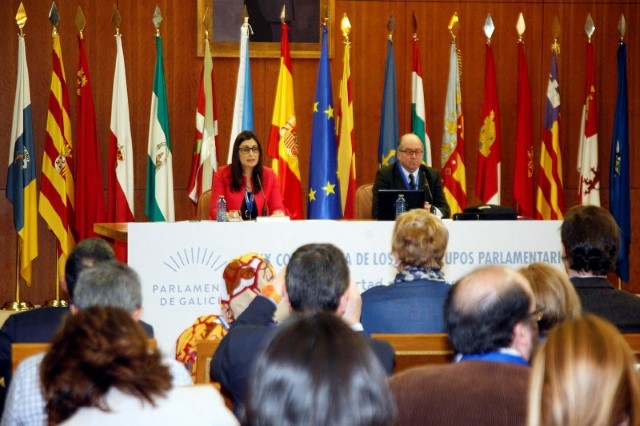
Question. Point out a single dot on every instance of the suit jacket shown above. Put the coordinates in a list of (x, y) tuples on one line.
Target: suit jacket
[(390, 177), (467, 393), (222, 186), (598, 296), (234, 358), (406, 307)]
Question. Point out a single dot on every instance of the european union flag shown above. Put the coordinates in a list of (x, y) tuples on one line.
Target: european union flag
[(619, 196), (324, 191), (389, 132)]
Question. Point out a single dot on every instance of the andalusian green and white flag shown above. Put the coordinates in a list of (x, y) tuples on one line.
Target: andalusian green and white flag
[(418, 115), (159, 200)]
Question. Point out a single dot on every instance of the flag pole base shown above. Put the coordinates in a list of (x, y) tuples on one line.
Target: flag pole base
[(16, 305), (56, 303)]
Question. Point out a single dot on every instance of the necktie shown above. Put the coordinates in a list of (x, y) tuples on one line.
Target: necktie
[(412, 182)]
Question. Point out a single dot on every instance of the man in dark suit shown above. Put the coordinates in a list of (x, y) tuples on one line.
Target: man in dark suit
[(409, 173), (316, 279), (590, 242)]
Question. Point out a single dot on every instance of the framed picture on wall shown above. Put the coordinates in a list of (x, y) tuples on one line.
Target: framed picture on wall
[(303, 16)]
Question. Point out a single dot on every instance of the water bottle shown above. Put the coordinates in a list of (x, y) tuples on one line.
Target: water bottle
[(401, 205), (222, 210)]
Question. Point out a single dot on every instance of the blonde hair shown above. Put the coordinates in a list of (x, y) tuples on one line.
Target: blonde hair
[(584, 374), (554, 291), (419, 239)]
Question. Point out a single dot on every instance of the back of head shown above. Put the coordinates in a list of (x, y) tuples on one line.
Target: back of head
[(554, 291), (591, 237), (317, 276), (483, 307), (317, 371), (86, 254), (584, 374), (419, 239), (95, 350), (109, 284)]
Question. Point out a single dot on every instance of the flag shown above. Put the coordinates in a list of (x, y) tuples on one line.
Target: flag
[(453, 172), (550, 194), (523, 183), (21, 175), (418, 115), (243, 105), (120, 170), (389, 132), (56, 182), (346, 139), (324, 191), (489, 145), (90, 188), (619, 195), (159, 201), (283, 139), (589, 185), (204, 160)]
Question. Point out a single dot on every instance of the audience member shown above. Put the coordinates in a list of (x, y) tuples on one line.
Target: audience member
[(100, 371), (584, 374), (316, 279), (317, 371), (590, 240), (106, 284), (491, 320), (553, 290), (414, 302)]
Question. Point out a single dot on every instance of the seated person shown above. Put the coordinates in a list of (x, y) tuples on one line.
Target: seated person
[(414, 302), (100, 371), (317, 371), (554, 291), (584, 374), (249, 188), (409, 173)]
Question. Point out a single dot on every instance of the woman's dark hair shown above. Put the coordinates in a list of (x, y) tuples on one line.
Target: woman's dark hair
[(317, 371), (95, 350), (237, 180)]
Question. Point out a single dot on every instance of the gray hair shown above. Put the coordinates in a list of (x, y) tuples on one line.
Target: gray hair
[(109, 284)]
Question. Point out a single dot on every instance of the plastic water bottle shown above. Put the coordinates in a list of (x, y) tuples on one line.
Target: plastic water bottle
[(222, 210), (401, 205)]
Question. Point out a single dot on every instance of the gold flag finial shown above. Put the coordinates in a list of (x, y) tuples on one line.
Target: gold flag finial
[(21, 18), (283, 14), (206, 23), (589, 27), (391, 26), (555, 46), (414, 25), (80, 21), (521, 27), (115, 18), (345, 26), (157, 19), (54, 17), (454, 23), (488, 28), (245, 14), (622, 26)]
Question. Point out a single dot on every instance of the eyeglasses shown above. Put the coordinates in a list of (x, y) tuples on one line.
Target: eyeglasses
[(411, 152), (537, 314), (248, 149)]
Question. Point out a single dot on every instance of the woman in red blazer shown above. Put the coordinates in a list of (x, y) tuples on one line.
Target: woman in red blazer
[(249, 188)]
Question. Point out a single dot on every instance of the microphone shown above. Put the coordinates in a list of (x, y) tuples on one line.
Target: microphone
[(426, 182), (265, 209)]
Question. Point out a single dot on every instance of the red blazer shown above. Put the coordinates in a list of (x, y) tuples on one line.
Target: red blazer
[(222, 186)]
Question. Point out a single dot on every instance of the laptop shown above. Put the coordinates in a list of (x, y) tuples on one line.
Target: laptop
[(387, 201)]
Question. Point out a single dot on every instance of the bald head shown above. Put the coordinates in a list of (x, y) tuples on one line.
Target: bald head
[(484, 307), (410, 152)]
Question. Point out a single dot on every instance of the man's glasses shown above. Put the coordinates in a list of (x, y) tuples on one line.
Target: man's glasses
[(248, 149), (411, 152), (537, 314)]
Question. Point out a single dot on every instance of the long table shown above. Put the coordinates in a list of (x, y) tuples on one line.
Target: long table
[(181, 263)]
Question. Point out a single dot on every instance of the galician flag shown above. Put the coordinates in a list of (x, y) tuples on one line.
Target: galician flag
[(418, 115), (243, 105), (159, 201), (283, 139), (21, 175)]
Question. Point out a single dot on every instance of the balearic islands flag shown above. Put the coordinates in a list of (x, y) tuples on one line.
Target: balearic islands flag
[(453, 172), (418, 114), (159, 202), (204, 160), (389, 131), (89, 188), (589, 185), (550, 195), (283, 139), (243, 105), (56, 184), (21, 176), (324, 191)]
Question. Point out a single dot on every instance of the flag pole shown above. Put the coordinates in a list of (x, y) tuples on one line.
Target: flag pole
[(57, 302), (17, 305)]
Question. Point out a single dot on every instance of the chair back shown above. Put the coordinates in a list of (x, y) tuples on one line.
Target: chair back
[(418, 349), (364, 201), (204, 205), (633, 339)]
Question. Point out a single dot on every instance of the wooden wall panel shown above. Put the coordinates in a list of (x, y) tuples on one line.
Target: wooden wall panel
[(368, 54)]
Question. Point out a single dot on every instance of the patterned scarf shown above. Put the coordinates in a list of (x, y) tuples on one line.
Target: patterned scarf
[(412, 273)]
